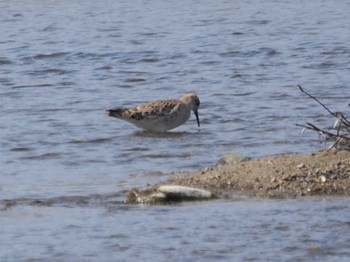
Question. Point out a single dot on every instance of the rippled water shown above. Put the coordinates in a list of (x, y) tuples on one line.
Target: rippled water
[(240, 230), (63, 63)]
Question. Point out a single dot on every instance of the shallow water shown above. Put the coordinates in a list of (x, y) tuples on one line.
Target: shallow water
[(235, 230), (63, 63)]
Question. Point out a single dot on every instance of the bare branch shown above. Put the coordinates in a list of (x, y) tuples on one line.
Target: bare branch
[(314, 98), (341, 126)]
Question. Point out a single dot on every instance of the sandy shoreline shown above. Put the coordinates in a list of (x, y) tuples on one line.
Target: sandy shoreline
[(290, 175)]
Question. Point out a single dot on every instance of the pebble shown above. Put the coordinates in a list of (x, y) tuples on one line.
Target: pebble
[(302, 165), (322, 179)]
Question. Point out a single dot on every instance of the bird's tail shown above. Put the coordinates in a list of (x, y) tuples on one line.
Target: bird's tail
[(116, 112)]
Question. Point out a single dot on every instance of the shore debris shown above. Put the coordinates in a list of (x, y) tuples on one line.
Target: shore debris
[(341, 127), (168, 194)]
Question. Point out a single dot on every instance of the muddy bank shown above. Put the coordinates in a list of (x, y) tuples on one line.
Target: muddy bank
[(291, 175)]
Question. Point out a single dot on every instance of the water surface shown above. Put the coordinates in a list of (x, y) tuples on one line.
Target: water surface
[(62, 64)]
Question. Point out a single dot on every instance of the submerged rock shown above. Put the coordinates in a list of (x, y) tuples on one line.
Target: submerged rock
[(168, 193), (231, 158)]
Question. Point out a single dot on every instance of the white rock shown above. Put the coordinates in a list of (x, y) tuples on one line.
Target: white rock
[(173, 192), (301, 165), (322, 179)]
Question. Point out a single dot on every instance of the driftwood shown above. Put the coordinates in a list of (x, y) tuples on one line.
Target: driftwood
[(341, 127)]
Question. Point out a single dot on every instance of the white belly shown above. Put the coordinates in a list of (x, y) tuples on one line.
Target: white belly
[(166, 122)]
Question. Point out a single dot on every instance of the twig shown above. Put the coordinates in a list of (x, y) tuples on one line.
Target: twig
[(322, 132), (314, 98), (337, 115), (342, 127)]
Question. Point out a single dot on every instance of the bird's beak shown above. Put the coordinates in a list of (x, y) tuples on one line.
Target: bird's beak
[(196, 114)]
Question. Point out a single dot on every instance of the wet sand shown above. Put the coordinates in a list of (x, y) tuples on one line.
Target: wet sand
[(290, 175)]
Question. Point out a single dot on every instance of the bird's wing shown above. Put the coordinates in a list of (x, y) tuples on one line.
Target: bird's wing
[(152, 110)]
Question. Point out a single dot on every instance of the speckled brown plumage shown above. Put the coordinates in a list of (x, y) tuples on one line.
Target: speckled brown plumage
[(160, 115)]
